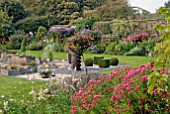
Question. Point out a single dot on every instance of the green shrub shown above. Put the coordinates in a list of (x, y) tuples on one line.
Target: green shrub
[(41, 32), (86, 23), (32, 23), (59, 47), (32, 63), (36, 45), (114, 61), (104, 63), (110, 48), (101, 48), (122, 28), (138, 50), (23, 47), (16, 40), (104, 26), (96, 59), (88, 62)]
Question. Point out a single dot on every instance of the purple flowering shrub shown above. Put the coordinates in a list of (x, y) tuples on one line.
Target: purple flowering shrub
[(124, 91)]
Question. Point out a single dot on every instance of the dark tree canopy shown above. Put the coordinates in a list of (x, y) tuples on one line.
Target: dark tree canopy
[(14, 8), (167, 4)]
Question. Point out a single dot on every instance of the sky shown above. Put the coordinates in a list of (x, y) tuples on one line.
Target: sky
[(149, 5)]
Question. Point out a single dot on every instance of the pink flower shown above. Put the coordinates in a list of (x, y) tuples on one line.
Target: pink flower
[(144, 78), (155, 91), (129, 103), (136, 88), (113, 98), (74, 109)]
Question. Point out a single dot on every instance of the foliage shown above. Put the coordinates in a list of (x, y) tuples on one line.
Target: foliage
[(138, 50), (110, 48), (48, 52), (37, 103), (31, 24), (80, 42), (124, 91), (34, 45), (88, 61), (6, 27), (14, 9), (86, 23), (23, 46), (41, 32), (167, 4), (32, 63), (113, 9), (16, 40), (159, 79), (104, 63), (101, 48), (59, 47), (66, 12), (122, 28), (114, 61), (96, 59), (105, 27)]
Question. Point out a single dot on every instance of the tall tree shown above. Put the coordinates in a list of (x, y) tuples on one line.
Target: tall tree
[(112, 9), (5, 24), (14, 8), (167, 4)]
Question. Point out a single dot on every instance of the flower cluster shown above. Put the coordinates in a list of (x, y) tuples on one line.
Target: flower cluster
[(124, 91), (138, 37)]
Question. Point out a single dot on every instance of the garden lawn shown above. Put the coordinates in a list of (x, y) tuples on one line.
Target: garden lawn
[(18, 87), (133, 61)]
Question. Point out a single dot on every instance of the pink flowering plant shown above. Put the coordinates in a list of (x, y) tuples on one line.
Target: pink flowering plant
[(138, 37), (124, 91)]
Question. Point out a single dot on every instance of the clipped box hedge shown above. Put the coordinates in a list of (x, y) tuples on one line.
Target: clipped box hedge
[(96, 59), (104, 63), (114, 61), (88, 62)]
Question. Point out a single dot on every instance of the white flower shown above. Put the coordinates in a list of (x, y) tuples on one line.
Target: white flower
[(11, 99), (5, 105), (2, 96), (32, 92), (0, 111)]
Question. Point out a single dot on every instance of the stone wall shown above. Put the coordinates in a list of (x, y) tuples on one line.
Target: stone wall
[(19, 60)]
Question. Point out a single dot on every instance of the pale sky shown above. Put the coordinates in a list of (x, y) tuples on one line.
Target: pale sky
[(149, 5)]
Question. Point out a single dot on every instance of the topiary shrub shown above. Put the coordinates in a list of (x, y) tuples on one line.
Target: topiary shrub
[(96, 59), (104, 63), (114, 61), (88, 62)]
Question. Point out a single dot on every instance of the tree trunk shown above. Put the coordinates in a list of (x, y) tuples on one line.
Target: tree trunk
[(76, 60)]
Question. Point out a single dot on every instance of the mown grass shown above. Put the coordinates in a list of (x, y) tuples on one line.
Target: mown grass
[(133, 61), (18, 87)]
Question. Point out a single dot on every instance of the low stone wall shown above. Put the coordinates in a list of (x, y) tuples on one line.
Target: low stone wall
[(19, 60), (19, 71)]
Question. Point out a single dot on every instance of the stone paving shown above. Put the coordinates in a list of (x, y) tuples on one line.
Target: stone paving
[(64, 70)]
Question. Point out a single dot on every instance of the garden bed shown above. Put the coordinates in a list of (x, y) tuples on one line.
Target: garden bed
[(18, 71)]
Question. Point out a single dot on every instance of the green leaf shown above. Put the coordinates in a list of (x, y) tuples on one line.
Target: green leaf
[(151, 87)]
